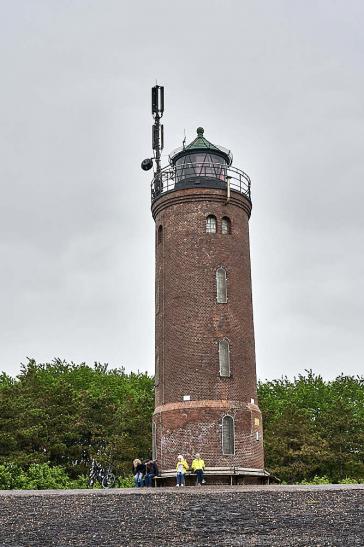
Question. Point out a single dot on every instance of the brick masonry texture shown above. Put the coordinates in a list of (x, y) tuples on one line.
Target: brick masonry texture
[(159, 517), (199, 430), (190, 323)]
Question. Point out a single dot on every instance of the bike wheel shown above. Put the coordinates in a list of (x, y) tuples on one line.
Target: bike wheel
[(108, 481)]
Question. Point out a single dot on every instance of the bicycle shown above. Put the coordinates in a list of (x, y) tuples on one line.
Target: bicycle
[(98, 474)]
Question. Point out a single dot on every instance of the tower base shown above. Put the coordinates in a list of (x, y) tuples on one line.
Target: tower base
[(190, 427)]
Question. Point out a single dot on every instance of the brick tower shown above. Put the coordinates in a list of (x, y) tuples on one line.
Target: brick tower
[(205, 377)]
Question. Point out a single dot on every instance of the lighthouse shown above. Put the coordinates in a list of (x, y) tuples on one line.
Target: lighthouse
[(205, 370)]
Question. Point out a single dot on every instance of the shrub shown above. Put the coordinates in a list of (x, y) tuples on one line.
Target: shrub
[(317, 480), (125, 482), (349, 480), (12, 477), (37, 477), (42, 476), (80, 483)]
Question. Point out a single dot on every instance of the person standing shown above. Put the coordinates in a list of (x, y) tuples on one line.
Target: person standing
[(198, 466), (181, 468)]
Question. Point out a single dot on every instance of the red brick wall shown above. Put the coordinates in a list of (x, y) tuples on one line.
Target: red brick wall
[(190, 323), (188, 428)]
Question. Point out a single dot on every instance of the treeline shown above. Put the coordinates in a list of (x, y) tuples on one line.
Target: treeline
[(314, 427), (65, 414)]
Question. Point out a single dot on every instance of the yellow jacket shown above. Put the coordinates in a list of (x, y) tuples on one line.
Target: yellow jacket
[(184, 464), (197, 464)]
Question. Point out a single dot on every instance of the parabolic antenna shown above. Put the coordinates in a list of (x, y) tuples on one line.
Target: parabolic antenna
[(147, 164)]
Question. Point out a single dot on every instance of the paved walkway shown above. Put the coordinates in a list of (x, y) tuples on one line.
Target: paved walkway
[(220, 516)]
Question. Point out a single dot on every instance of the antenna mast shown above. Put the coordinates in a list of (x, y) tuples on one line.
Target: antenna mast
[(157, 138), (157, 130)]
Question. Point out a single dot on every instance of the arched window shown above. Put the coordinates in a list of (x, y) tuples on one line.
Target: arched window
[(228, 440), (226, 225), (160, 234), (224, 358), (211, 224), (221, 286)]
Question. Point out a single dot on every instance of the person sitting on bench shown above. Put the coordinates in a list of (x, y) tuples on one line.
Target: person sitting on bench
[(198, 466), (181, 468), (152, 471)]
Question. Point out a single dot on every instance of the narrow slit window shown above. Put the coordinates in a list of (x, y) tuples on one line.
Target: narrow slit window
[(211, 224), (160, 234), (224, 358), (157, 297), (154, 441), (226, 226), (228, 440), (221, 286), (156, 372)]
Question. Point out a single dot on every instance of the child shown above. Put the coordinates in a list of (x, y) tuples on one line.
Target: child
[(181, 468), (198, 466)]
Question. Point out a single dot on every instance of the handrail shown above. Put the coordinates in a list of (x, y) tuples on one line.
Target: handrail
[(172, 177)]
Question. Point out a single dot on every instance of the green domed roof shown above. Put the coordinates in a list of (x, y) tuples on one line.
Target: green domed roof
[(200, 143)]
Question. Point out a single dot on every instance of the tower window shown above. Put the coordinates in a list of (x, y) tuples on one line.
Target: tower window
[(224, 358), (228, 440), (154, 441), (226, 226), (157, 297), (211, 224), (156, 375), (221, 286), (160, 234)]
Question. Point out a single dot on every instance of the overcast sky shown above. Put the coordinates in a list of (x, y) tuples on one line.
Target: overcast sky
[(280, 83)]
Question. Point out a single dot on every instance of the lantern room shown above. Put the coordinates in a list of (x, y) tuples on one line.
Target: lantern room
[(200, 162)]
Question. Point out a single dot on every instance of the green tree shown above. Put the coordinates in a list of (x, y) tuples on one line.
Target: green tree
[(66, 414), (313, 428)]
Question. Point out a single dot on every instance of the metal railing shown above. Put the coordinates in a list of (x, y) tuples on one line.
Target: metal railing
[(195, 174)]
